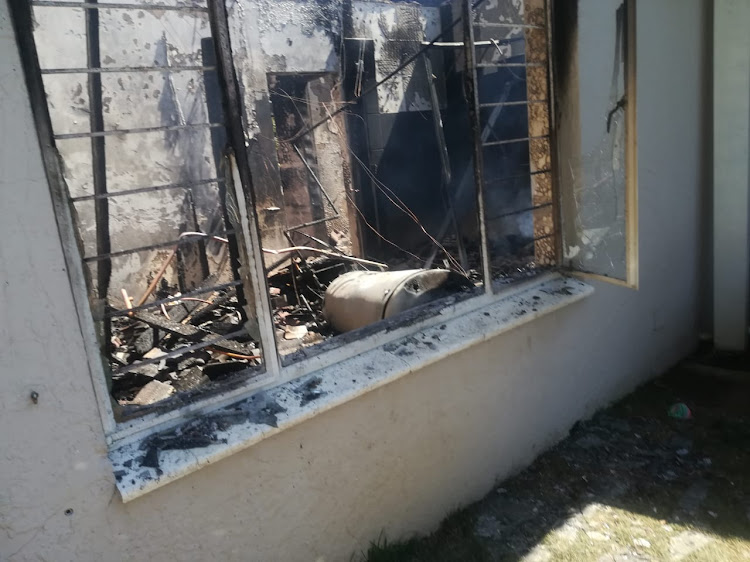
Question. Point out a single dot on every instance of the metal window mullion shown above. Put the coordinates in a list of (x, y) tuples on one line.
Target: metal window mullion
[(254, 259), (242, 183), (99, 171), (470, 84)]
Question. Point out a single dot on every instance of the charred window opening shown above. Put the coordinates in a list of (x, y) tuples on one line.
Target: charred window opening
[(394, 155), (371, 120), (133, 96)]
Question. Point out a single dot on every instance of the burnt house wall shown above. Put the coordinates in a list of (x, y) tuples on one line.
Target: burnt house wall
[(393, 462)]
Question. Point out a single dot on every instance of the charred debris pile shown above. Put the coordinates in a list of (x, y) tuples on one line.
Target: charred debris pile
[(189, 343)]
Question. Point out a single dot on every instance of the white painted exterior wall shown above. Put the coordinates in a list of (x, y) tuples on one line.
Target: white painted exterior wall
[(731, 202), (395, 460)]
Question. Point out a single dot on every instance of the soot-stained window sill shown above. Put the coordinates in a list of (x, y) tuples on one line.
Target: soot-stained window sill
[(161, 457)]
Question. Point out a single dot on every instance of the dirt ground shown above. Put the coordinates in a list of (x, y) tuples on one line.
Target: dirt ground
[(631, 484)]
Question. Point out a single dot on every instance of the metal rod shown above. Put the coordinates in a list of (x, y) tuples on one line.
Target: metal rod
[(434, 43), (175, 298), (113, 132), (516, 176), (99, 167), (126, 69), (93, 5), (472, 97), (520, 211), (320, 185), (510, 65), (317, 240), (111, 194), (505, 25), (335, 254), (109, 255), (180, 351), (455, 44), (513, 141), (437, 122), (508, 103), (309, 223)]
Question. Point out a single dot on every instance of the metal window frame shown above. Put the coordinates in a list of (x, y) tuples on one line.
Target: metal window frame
[(22, 19), (555, 38), (241, 180)]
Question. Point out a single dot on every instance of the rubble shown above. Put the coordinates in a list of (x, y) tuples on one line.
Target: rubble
[(154, 391), (197, 342), (297, 293), (295, 332)]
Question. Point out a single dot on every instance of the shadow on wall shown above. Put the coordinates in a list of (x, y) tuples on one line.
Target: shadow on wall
[(630, 484)]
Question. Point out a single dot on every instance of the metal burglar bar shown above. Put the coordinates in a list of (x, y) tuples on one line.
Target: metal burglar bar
[(164, 187), (115, 6), (106, 69), (99, 168), (112, 132), (530, 210), (206, 325)]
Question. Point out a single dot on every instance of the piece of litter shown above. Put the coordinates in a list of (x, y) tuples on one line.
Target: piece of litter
[(682, 452), (154, 353), (642, 543), (154, 391), (680, 411), (713, 514), (295, 332)]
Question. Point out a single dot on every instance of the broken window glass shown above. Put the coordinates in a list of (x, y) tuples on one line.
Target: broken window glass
[(593, 168)]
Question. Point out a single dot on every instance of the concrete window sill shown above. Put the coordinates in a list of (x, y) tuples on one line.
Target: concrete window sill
[(161, 457)]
